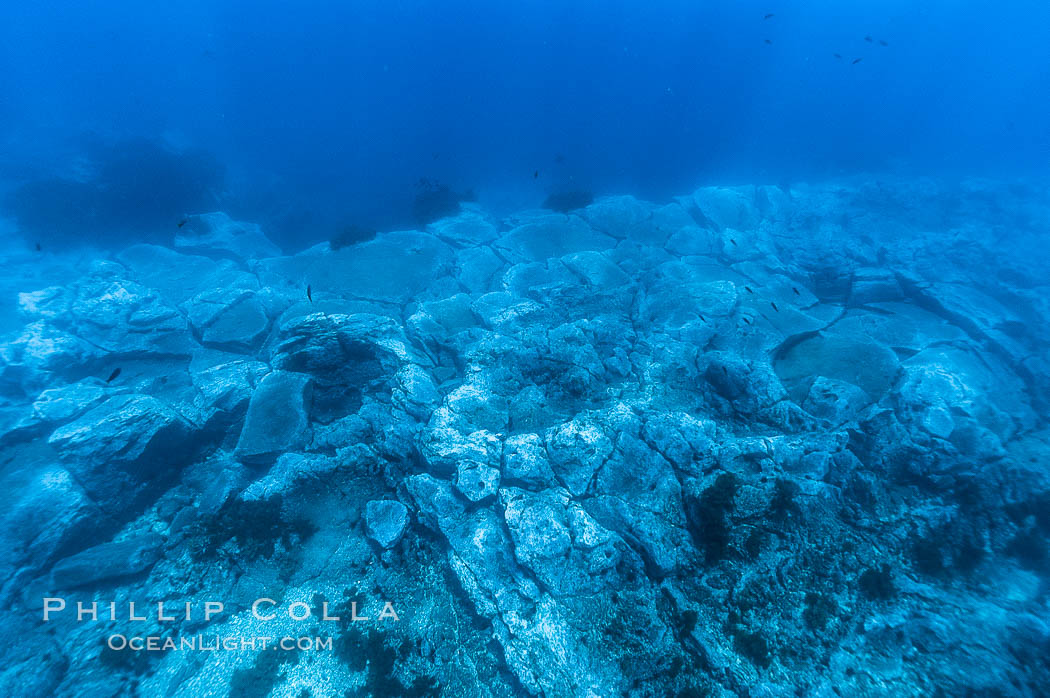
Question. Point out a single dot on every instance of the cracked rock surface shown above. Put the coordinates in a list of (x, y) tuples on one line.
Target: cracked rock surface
[(757, 441)]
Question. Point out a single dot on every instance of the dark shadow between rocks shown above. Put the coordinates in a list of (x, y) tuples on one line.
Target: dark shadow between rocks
[(567, 201)]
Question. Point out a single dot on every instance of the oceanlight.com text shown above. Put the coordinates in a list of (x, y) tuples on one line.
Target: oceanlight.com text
[(214, 643)]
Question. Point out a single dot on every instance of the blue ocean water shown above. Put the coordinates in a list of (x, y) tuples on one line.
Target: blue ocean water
[(560, 349), (343, 107)]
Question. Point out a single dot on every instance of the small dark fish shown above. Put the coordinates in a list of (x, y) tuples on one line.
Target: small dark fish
[(868, 39), (837, 55), (536, 174), (746, 320), (732, 241), (38, 247), (857, 60), (725, 370), (796, 291), (748, 289), (182, 223), (113, 376), (883, 42), (769, 16), (309, 293), (774, 306), (702, 318), (769, 41)]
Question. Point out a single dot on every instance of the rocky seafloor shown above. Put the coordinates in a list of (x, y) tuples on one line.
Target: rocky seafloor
[(758, 441)]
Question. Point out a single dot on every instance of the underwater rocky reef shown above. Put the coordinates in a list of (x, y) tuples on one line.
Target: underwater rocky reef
[(757, 441)]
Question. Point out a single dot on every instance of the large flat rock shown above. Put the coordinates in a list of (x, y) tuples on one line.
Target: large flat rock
[(276, 421), (870, 366), (392, 268), (552, 235)]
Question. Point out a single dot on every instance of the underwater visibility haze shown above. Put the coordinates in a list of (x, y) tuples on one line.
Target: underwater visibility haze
[(555, 349), (325, 114)]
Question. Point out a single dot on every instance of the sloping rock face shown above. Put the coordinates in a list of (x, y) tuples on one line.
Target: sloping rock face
[(218, 235), (755, 441)]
